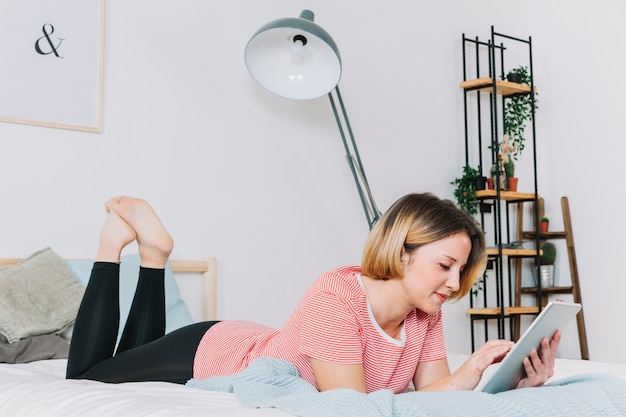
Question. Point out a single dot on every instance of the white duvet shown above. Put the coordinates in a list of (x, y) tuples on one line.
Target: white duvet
[(40, 389)]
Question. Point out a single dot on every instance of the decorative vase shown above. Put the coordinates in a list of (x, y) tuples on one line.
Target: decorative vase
[(546, 275), (514, 77), (480, 182)]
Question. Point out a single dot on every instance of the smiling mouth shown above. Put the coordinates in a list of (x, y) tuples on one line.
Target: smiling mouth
[(442, 297)]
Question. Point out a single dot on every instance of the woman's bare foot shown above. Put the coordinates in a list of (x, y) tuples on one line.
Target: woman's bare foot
[(115, 235), (154, 242)]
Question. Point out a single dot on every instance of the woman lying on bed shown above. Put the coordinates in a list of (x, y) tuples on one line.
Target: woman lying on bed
[(377, 326)]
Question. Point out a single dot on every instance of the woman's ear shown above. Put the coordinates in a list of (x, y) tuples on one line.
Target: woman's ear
[(405, 258)]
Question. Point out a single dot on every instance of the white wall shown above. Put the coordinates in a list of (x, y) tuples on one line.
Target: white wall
[(261, 182), (579, 55)]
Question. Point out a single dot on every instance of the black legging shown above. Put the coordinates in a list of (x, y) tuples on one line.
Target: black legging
[(144, 352)]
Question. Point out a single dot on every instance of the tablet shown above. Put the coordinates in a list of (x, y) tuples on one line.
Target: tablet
[(555, 316)]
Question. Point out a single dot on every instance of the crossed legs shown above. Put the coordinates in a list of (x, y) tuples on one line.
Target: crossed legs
[(144, 353)]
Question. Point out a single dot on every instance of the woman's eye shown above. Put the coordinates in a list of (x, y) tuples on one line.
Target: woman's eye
[(445, 267)]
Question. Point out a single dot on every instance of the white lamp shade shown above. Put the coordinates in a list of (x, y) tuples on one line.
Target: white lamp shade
[(294, 58)]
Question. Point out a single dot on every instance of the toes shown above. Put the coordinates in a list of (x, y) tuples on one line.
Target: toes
[(112, 202)]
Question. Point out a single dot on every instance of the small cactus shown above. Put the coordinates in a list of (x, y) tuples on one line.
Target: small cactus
[(549, 254)]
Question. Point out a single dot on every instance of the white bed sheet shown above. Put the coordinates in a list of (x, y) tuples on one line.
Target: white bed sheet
[(40, 389)]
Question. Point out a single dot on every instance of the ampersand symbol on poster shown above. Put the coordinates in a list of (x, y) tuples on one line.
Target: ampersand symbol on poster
[(48, 30)]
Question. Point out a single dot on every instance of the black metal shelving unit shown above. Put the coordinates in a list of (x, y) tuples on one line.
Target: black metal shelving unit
[(485, 92)]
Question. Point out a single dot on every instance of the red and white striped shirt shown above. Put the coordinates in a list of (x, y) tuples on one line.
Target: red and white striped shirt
[(333, 323)]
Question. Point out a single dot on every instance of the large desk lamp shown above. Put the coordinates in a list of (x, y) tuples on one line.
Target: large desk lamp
[(295, 58)]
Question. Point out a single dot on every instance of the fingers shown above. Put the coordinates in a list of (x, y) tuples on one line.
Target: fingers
[(540, 367), (497, 344), (554, 343), (492, 352), (472, 370), (500, 351), (496, 348), (533, 369)]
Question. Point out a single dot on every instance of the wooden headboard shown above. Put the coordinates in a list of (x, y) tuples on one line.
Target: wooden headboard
[(207, 267)]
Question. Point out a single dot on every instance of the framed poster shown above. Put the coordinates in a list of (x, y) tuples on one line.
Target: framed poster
[(51, 64)]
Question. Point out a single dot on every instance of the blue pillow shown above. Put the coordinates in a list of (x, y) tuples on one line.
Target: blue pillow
[(176, 313)]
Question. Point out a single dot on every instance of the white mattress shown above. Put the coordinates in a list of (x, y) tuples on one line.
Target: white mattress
[(40, 389)]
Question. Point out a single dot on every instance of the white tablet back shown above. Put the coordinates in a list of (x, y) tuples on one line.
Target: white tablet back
[(555, 316)]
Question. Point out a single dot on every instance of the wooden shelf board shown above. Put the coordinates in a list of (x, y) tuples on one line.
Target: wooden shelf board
[(513, 252), (548, 290), (505, 88), (544, 236), (508, 311), (505, 195)]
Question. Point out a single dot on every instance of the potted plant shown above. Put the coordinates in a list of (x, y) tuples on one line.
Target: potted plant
[(467, 200), (509, 169), (465, 192), (492, 174), (546, 264), (515, 76), (544, 224)]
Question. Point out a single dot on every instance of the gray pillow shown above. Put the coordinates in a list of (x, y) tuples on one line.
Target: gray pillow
[(36, 348), (38, 296)]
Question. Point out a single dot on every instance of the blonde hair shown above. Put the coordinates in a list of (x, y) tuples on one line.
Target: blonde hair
[(416, 220)]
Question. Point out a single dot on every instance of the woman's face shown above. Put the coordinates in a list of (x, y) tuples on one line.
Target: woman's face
[(432, 273)]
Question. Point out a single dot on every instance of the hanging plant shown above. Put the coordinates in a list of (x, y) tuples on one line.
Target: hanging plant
[(518, 111)]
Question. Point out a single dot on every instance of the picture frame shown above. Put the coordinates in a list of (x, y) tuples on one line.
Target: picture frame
[(52, 63)]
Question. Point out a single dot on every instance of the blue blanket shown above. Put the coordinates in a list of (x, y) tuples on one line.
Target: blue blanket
[(274, 383)]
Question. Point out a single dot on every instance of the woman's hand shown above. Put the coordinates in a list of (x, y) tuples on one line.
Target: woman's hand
[(469, 374), (539, 367)]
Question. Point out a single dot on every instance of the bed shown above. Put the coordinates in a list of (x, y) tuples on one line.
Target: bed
[(39, 388)]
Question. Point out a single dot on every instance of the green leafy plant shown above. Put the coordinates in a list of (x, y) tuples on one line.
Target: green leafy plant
[(518, 111), (465, 192), (544, 219), (478, 285), (548, 256), (466, 199)]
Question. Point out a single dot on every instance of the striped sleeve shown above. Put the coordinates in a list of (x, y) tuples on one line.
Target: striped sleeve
[(330, 330)]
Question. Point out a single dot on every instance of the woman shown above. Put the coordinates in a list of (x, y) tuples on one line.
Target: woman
[(372, 327)]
